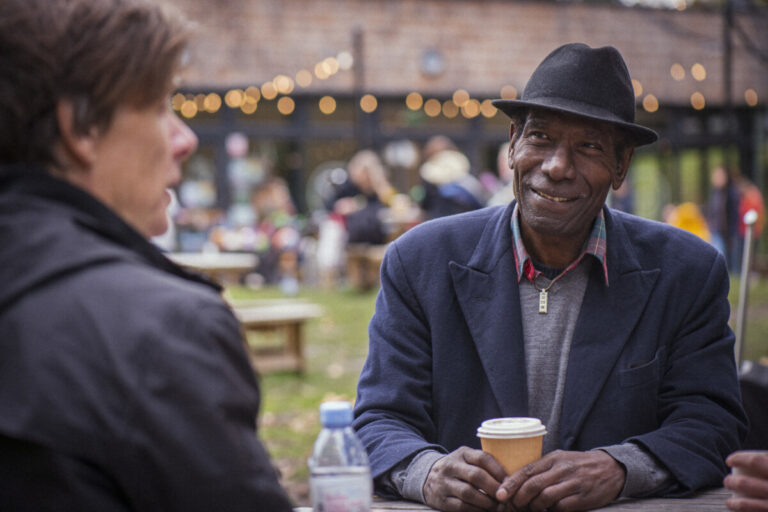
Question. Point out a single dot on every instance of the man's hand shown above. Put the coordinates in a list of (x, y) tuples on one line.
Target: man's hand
[(464, 480), (751, 484), (564, 481)]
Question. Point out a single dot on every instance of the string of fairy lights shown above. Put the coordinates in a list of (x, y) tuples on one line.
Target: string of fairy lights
[(461, 102)]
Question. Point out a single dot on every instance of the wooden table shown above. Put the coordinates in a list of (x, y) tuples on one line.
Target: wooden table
[(363, 264), (707, 501), (287, 318), (226, 267)]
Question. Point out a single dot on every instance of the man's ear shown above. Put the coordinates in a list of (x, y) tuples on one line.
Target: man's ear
[(623, 168), (79, 149), (511, 143)]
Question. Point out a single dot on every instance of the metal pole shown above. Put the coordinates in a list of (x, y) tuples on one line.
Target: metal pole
[(749, 220)]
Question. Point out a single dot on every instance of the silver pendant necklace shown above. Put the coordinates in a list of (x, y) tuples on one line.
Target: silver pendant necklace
[(543, 293)]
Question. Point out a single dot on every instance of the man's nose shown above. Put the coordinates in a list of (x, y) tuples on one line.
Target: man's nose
[(559, 164), (183, 140)]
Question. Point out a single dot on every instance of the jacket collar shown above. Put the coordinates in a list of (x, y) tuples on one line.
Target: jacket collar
[(88, 212)]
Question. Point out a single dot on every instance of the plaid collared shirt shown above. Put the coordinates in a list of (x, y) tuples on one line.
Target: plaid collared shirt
[(595, 245)]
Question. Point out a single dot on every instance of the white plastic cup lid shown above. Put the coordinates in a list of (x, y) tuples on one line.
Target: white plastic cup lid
[(506, 428)]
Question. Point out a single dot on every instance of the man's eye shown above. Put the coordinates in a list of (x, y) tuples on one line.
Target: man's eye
[(538, 135), (593, 145)]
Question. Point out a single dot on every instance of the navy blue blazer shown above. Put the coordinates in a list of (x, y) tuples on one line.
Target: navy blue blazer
[(651, 358)]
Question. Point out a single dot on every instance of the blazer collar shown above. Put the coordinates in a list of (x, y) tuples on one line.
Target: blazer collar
[(488, 294)]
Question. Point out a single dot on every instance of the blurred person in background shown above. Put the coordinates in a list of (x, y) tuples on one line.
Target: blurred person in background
[(449, 188), (506, 193), (687, 216), (124, 383), (359, 200), (277, 235), (722, 213), (750, 198), (609, 328)]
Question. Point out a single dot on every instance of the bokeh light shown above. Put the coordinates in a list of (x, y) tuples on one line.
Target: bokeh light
[(508, 92), (697, 101), (750, 96), (284, 84), (432, 107), (677, 71), (303, 78), (189, 109), (249, 107), (450, 109), (460, 97), (252, 92), (637, 87), (698, 72), (321, 71), (285, 105), (327, 105), (650, 103), (368, 103), (212, 103), (487, 109), (268, 91), (234, 98), (414, 101), (177, 101), (345, 60), (471, 109)]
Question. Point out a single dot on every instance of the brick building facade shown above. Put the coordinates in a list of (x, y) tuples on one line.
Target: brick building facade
[(434, 47)]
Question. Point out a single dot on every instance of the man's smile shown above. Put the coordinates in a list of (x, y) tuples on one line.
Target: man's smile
[(556, 199)]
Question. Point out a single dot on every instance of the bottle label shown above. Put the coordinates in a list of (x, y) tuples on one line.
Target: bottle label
[(341, 492)]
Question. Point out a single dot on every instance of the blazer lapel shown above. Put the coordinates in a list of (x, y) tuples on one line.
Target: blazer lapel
[(486, 289), (607, 318)]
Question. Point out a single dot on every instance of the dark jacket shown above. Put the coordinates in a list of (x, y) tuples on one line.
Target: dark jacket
[(124, 384), (651, 359)]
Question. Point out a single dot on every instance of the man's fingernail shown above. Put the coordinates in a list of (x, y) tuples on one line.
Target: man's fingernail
[(501, 494)]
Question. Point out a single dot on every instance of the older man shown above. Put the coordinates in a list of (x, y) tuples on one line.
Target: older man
[(609, 328), (124, 384)]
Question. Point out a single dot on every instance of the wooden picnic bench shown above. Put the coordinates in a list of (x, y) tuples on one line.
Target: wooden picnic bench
[(284, 317)]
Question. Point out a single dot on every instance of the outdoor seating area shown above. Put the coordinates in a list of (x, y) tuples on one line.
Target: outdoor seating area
[(286, 320), (400, 256)]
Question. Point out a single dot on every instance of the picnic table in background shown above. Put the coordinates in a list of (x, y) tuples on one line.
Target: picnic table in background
[(224, 267), (286, 319)]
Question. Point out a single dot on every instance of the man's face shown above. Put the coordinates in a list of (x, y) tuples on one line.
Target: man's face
[(564, 167), (137, 159)]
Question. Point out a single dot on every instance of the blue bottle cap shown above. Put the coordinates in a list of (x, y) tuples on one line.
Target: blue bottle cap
[(336, 414)]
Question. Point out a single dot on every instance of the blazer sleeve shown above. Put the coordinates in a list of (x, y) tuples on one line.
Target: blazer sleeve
[(699, 409), (394, 395), (191, 427)]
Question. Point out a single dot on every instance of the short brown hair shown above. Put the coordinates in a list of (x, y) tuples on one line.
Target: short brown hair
[(99, 54)]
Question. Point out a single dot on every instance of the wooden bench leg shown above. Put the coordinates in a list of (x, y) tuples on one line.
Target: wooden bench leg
[(293, 345)]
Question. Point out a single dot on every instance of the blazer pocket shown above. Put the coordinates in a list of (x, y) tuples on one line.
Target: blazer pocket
[(643, 373)]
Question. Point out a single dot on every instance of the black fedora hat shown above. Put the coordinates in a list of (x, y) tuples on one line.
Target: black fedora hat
[(588, 82)]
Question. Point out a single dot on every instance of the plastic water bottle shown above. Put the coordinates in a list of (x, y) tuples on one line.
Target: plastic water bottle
[(339, 473)]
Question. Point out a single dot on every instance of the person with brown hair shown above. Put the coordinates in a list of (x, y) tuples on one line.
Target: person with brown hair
[(124, 383)]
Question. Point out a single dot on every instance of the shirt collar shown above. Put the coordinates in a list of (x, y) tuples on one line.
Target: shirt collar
[(595, 245)]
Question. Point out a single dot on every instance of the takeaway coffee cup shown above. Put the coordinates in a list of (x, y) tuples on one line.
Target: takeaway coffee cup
[(514, 442)]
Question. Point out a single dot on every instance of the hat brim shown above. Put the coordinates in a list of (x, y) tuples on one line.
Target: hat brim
[(640, 134)]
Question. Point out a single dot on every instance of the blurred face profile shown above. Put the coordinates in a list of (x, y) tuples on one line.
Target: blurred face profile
[(137, 159)]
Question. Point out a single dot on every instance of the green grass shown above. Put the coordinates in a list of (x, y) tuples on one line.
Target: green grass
[(336, 345)]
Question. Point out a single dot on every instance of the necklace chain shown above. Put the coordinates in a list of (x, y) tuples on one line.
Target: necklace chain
[(543, 295)]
